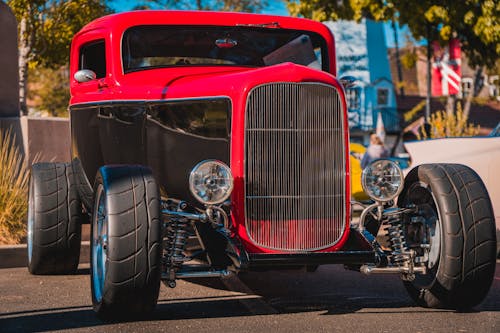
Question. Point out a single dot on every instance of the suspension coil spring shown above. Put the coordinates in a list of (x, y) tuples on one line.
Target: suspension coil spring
[(397, 240), (176, 240)]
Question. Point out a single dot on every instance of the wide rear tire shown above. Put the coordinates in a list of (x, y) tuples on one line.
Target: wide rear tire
[(54, 220), (462, 264), (126, 242)]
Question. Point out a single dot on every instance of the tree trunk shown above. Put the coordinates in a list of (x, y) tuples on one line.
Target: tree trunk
[(476, 88), (450, 104), (23, 65), (466, 108), (24, 53)]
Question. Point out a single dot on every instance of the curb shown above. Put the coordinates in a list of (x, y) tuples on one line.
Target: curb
[(12, 256)]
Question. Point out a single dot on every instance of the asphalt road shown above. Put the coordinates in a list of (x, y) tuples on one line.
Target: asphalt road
[(329, 300)]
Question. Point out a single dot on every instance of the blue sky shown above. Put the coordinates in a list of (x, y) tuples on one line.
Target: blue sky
[(277, 7)]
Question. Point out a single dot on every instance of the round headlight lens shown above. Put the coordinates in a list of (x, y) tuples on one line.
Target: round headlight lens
[(382, 180), (211, 182)]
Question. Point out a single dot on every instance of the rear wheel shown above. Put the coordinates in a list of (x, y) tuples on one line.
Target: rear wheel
[(54, 220), (125, 243), (460, 232)]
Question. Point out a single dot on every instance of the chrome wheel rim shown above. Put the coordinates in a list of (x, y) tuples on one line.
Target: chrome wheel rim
[(433, 223), (99, 245), (31, 222), (423, 196), (435, 243)]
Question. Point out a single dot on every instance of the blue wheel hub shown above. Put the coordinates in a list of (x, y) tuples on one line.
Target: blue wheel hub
[(99, 246)]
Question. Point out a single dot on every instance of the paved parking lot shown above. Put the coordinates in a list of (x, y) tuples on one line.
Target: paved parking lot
[(328, 300)]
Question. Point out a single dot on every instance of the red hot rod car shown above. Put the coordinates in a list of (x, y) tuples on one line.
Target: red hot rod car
[(218, 143)]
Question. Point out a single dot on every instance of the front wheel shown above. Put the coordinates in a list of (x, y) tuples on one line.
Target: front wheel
[(460, 234), (126, 242)]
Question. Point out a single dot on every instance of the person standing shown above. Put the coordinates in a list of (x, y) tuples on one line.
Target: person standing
[(375, 150)]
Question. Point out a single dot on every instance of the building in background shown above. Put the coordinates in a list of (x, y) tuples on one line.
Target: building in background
[(485, 112), (415, 74), (362, 52)]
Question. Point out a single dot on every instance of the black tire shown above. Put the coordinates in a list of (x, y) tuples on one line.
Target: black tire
[(465, 260), (54, 220), (126, 279)]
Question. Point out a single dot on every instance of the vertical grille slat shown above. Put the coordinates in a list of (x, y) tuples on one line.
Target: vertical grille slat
[(295, 166)]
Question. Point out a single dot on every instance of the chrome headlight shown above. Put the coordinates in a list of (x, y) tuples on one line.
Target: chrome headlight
[(382, 180), (211, 182)]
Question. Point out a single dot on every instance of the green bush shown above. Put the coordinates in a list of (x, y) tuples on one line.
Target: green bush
[(14, 182)]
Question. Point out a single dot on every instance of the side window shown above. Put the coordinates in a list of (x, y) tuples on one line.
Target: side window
[(93, 57)]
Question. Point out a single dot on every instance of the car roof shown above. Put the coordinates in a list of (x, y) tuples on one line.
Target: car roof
[(121, 21)]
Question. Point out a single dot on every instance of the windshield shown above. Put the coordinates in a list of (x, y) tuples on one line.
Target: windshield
[(145, 47)]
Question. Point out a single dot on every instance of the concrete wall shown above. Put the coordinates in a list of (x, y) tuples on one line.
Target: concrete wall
[(44, 139)]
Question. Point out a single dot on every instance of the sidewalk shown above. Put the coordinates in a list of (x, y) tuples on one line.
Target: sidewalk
[(12, 256)]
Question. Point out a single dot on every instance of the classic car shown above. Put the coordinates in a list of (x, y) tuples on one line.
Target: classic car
[(231, 130)]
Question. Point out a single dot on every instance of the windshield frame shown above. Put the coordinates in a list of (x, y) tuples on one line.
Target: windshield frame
[(315, 37)]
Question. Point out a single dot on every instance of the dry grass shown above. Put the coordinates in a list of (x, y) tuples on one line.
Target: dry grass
[(443, 125), (14, 182)]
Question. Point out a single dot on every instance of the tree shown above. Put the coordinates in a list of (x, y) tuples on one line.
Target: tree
[(475, 22), (46, 28), (50, 89), (251, 6)]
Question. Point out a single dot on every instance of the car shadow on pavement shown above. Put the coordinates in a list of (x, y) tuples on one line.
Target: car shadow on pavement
[(205, 308), (84, 317), (335, 291), (49, 320), (329, 291)]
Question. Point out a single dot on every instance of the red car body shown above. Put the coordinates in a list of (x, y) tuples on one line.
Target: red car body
[(181, 83)]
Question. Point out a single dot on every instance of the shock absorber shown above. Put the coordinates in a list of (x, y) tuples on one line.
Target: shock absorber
[(400, 254), (175, 243), (401, 258), (177, 239)]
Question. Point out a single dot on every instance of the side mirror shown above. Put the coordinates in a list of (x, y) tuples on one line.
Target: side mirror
[(347, 81), (84, 75)]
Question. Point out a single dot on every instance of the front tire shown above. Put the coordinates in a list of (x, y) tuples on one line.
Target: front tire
[(461, 262), (54, 220), (126, 236)]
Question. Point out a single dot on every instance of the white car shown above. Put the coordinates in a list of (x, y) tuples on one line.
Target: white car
[(479, 153)]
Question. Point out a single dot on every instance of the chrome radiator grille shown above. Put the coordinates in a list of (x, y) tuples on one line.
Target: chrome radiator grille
[(295, 166)]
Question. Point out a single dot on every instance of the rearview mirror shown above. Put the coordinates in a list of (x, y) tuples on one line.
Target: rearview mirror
[(84, 75)]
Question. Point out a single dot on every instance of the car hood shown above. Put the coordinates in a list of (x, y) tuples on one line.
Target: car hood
[(198, 82)]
